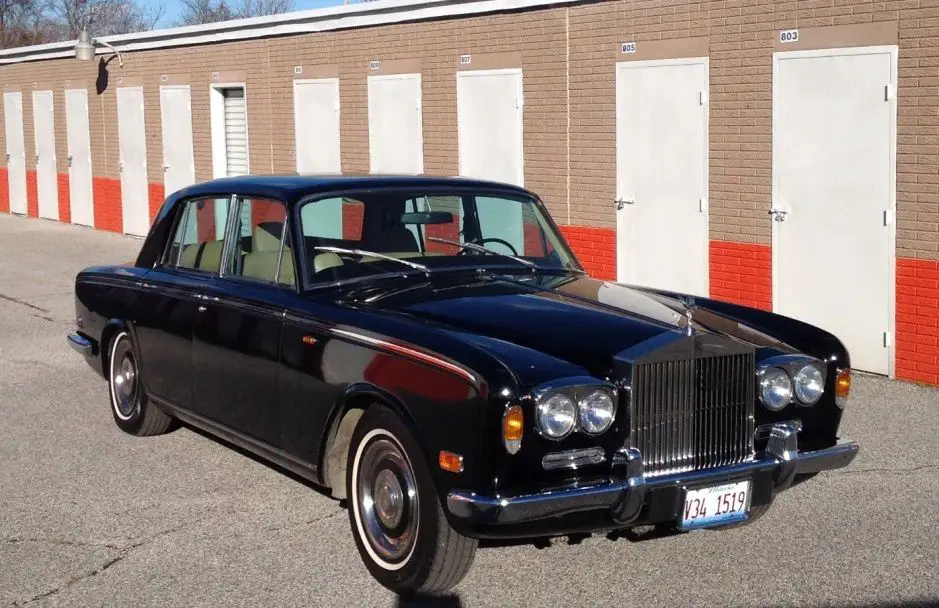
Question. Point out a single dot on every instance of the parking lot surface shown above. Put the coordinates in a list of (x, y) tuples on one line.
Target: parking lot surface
[(90, 516)]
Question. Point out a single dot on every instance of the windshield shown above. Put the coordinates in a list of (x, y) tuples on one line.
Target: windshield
[(434, 232)]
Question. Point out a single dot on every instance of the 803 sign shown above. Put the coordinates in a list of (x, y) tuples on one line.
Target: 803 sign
[(789, 36)]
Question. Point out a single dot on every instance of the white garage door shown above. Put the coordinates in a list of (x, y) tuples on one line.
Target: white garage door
[(79, 157), (16, 150), (834, 138), (176, 117), (395, 131), (316, 124), (47, 179), (489, 125), (236, 132), (662, 174), (131, 134)]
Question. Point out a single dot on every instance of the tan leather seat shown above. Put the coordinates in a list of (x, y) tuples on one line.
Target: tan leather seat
[(202, 256), (326, 260), (261, 263)]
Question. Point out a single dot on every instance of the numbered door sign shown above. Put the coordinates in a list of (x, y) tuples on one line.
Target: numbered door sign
[(789, 36), (629, 47)]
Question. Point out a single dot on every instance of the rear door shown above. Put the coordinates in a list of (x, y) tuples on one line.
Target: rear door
[(168, 302), (237, 333)]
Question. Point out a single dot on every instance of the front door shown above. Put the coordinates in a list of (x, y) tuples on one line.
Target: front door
[(834, 138), (79, 157), (131, 135), (395, 124), (176, 117), (662, 174), (47, 179), (16, 150), (489, 125), (236, 340)]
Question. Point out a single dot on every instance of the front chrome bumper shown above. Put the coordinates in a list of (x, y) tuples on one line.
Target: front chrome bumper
[(624, 497)]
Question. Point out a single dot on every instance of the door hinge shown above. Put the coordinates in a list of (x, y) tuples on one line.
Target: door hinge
[(890, 92), (887, 339), (702, 97), (519, 102), (890, 216), (702, 204)]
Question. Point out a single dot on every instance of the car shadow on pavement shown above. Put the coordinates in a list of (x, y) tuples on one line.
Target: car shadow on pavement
[(429, 601)]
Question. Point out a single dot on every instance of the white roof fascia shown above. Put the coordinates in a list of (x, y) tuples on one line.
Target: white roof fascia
[(347, 16)]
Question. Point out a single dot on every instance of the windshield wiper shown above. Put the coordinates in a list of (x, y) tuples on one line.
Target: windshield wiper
[(372, 254), (476, 247)]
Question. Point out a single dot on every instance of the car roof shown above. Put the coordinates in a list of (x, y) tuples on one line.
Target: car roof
[(292, 188)]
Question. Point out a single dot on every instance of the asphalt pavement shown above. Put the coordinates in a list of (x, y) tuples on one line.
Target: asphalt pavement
[(90, 516)]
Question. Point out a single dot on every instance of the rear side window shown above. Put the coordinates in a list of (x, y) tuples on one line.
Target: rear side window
[(200, 235), (262, 249)]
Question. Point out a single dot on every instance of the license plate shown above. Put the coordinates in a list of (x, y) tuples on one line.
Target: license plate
[(716, 505)]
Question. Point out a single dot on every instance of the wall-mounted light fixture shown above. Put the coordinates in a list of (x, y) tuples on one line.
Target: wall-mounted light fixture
[(85, 48)]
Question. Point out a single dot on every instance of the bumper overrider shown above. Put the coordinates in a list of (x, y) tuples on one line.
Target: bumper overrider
[(630, 498)]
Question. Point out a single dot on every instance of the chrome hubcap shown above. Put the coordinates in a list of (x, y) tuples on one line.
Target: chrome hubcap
[(124, 378), (387, 500)]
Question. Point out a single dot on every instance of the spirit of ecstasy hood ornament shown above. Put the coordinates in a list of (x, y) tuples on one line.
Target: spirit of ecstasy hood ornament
[(690, 306)]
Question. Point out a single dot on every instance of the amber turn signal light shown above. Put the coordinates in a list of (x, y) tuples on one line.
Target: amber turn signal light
[(449, 461), (842, 387), (513, 428)]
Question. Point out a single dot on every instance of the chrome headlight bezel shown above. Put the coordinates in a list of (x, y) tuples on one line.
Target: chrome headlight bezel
[(577, 390), (792, 366)]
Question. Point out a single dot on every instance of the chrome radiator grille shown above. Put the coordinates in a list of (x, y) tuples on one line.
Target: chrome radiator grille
[(693, 413)]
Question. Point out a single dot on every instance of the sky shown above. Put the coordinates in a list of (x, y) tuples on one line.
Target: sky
[(173, 8)]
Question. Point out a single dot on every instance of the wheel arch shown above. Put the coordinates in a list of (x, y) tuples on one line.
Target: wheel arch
[(346, 414), (111, 329)]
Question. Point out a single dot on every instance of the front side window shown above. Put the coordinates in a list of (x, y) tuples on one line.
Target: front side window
[(199, 237), (438, 231), (262, 249)]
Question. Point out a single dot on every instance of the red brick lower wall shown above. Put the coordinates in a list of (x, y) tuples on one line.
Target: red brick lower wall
[(32, 194), (742, 273), (108, 211), (65, 205), (595, 248), (156, 194), (4, 191), (917, 343)]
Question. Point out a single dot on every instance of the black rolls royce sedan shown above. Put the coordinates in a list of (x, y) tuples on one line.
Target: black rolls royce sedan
[(430, 351)]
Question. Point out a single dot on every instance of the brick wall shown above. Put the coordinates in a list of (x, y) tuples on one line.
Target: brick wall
[(568, 55)]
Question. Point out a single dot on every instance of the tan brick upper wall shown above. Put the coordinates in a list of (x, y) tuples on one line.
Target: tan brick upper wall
[(565, 53)]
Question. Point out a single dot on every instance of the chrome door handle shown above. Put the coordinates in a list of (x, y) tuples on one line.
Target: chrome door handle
[(202, 309), (621, 202), (779, 215)]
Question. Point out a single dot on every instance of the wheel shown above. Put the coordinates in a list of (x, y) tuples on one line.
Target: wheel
[(397, 521), (133, 412)]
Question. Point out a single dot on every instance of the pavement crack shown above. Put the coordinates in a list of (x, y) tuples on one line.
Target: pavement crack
[(61, 542), (923, 467), (23, 303)]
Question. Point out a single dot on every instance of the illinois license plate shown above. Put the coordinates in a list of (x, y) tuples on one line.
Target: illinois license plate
[(716, 505)]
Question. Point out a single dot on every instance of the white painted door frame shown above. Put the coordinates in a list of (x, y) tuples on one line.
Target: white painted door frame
[(466, 74), (891, 252), (333, 82), (625, 194)]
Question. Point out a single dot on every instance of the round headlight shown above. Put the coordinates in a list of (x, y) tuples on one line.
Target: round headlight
[(809, 383), (555, 416), (775, 388), (595, 412)]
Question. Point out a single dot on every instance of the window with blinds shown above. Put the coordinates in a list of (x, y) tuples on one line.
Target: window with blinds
[(236, 131)]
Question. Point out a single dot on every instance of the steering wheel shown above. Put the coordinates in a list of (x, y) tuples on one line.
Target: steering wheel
[(481, 241)]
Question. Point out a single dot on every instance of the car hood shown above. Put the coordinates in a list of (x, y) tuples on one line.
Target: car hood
[(576, 319)]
